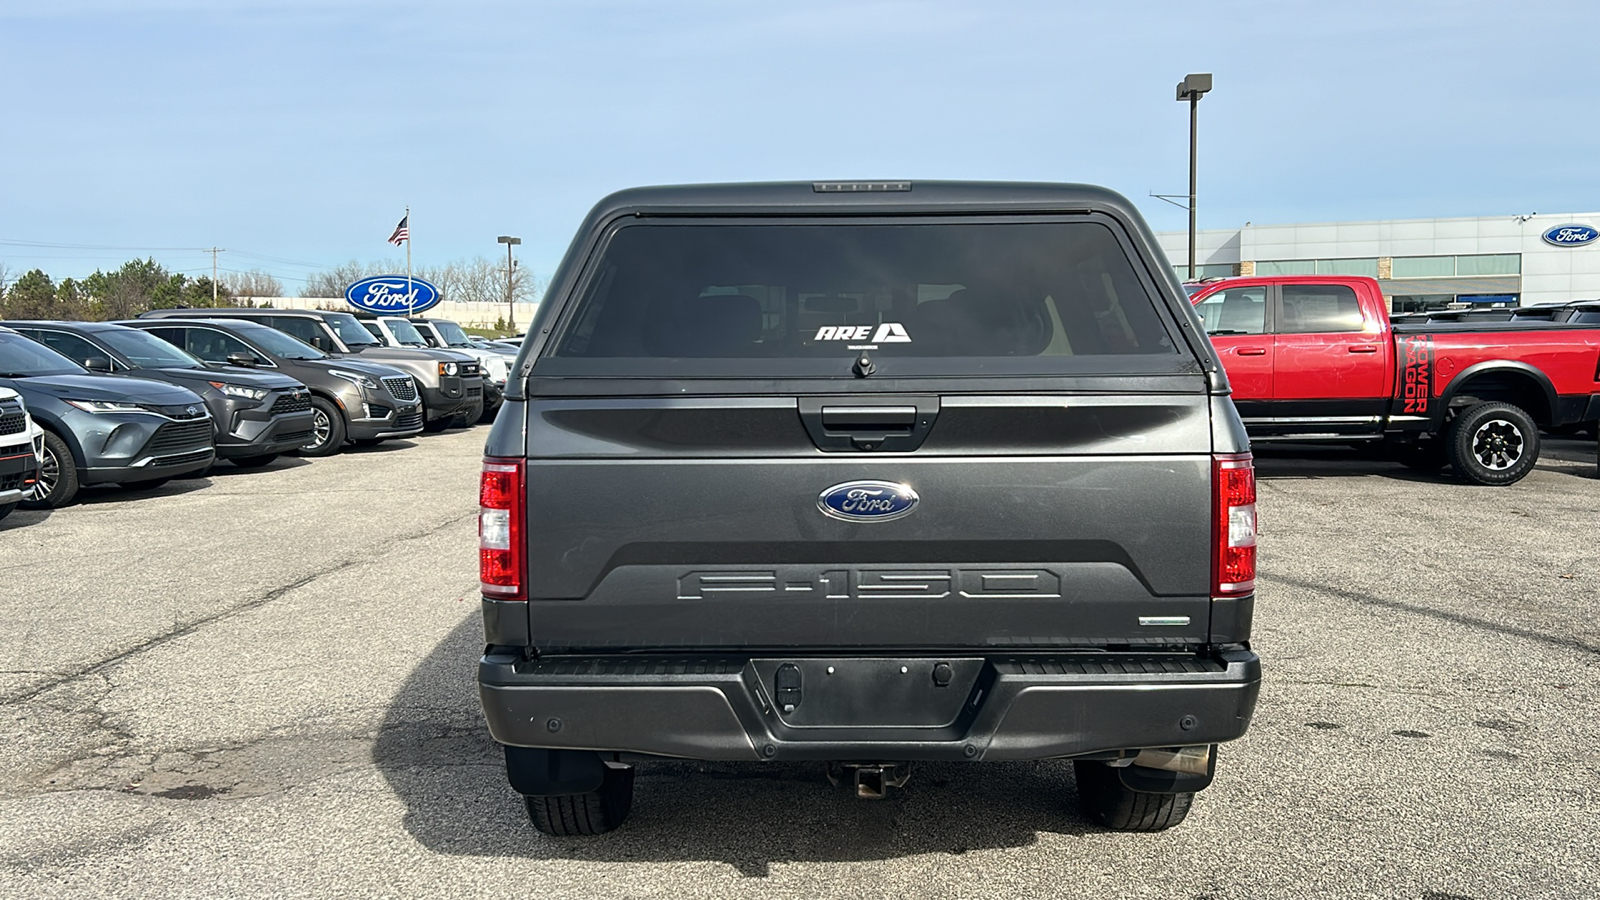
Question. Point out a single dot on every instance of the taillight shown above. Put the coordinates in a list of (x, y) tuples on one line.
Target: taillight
[(1233, 572), (502, 556)]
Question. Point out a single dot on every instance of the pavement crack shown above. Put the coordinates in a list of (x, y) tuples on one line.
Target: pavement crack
[(1565, 643), (188, 628)]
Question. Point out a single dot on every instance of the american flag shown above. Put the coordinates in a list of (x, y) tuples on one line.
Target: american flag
[(401, 232)]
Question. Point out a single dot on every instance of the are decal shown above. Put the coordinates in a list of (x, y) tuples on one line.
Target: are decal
[(1416, 373), (887, 333)]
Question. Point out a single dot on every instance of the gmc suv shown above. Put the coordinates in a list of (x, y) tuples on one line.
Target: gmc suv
[(867, 474)]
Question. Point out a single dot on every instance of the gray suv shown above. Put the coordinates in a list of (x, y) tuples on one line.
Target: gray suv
[(258, 415), (867, 474), (351, 400), (100, 429), (450, 382)]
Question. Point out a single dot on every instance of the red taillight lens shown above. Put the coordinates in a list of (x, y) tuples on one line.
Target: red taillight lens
[(1234, 571), (502, 557)]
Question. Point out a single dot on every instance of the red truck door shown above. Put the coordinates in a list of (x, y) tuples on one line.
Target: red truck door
[(1236, 320), (1330, 357)]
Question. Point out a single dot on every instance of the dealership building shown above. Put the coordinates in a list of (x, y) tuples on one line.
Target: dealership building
[(1420, 263)]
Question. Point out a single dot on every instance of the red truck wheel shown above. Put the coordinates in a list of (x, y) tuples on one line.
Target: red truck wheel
[(1493, 444)]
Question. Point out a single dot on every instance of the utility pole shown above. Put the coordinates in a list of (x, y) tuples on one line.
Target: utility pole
[(214, 252), (511, 297)]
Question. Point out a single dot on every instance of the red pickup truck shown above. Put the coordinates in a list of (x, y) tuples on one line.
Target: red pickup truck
[(1317, 358)]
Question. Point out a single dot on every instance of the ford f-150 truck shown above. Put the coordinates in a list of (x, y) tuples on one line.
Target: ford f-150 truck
[(1317, 358), (866, 474)]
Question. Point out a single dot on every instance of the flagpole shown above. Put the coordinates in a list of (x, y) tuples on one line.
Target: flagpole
[(411, 293)]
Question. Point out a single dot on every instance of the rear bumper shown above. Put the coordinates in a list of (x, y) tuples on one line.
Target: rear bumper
[(1006, 706)]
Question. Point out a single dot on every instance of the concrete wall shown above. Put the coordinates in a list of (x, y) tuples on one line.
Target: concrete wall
[(1549, 273), (481, 315)]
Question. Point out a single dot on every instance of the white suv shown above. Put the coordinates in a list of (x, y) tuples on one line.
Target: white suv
[(21, 445)]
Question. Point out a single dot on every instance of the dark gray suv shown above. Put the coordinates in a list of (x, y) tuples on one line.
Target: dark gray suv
[(867, 474), (258, 415), (101, 429), (351, 400)]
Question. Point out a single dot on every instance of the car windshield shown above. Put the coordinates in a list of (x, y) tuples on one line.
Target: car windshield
[(452, 334), (23, 358), (350, 330), (146, 351), (279, 344), (405, 332)]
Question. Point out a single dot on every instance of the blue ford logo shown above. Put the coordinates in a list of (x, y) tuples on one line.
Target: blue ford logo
[(1570, 235), (867, 501), (392, 294)]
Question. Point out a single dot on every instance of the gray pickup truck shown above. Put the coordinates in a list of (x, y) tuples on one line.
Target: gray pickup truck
[(867, 474)]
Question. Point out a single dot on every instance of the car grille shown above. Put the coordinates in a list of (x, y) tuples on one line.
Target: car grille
[(411, 420), (292, 403), (182, 458), (181, 413), (474, 390), (11, 422), (301, 436), (403, 389), (11, 482), (175, 437)]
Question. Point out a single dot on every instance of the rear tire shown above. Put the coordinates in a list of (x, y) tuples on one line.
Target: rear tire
[(58, 476), (580, 815), (1493, 444), (327, 429), (1105, 799), (254, 462)]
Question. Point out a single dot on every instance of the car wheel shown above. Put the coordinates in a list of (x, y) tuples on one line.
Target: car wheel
[(254, 462), (1105, 799), (576, 815), (327, 429), (58, 476), (1493, 444)]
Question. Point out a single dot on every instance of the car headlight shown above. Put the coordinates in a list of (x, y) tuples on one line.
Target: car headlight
[(447, 368), (238, 390), (106, 406), (358, 378)]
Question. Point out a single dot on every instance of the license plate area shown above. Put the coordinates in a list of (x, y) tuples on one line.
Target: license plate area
[(867, 692)]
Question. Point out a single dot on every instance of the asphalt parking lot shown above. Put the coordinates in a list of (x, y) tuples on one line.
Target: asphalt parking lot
[(261, 684)]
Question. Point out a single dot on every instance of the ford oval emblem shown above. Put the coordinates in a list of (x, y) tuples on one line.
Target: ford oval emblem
[(392, 294), (868, 501), (1570, 235)]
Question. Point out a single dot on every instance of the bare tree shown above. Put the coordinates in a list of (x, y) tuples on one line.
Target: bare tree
[(252, 284), (476, 280)]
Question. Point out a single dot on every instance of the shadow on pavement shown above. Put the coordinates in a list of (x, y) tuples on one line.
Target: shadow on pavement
[(1288, 460), (436, 754)]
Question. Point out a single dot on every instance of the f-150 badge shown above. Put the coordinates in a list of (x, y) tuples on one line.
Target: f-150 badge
[(868, 501)]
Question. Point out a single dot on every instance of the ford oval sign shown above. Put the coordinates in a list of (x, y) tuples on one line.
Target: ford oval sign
[(868, 501), (392, 295), (1570, 235)]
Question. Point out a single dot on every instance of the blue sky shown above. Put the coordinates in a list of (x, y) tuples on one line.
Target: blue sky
[(295, 133)]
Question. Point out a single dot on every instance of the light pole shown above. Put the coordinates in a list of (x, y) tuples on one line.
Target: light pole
[(511, 300), (1192, 88)]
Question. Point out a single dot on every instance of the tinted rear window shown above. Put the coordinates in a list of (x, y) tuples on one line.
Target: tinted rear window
[(920, 298)]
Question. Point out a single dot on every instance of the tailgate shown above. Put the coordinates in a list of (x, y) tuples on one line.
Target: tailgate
[(1038, 522)]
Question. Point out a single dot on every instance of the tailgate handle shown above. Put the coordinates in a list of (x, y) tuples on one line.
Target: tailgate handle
[(869, 418), (855, 424)]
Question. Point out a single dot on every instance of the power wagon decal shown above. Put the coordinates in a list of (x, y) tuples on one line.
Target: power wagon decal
[(1416, 373)]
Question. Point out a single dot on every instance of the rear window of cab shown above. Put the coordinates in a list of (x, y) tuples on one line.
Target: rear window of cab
[(937, 297)]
